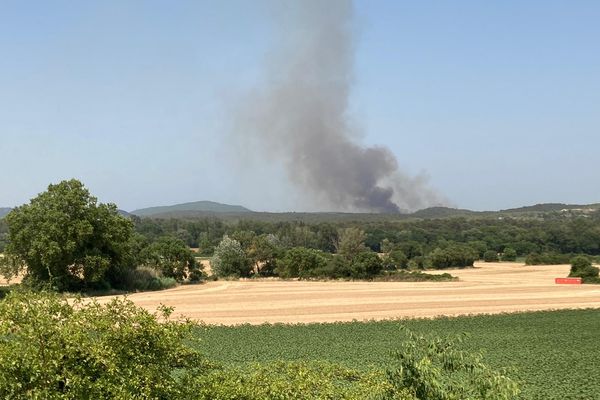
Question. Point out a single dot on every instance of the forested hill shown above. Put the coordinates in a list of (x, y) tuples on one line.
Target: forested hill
[(186, 209), (550, 207)]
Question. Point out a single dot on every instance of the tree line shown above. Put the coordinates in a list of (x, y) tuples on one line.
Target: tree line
[(64, 236)]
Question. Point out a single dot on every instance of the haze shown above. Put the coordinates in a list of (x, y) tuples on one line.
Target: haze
[(497, 104)]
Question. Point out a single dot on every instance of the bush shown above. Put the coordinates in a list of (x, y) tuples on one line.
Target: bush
[(146, 278), (435, 369), (490, 256), (509, 254), (547, 259), (413, 276), (581, 267), (53, 348)]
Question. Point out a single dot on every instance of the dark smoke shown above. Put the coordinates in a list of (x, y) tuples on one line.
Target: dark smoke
[(301, 115)]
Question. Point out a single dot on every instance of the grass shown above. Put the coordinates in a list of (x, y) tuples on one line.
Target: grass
[(555, 354)]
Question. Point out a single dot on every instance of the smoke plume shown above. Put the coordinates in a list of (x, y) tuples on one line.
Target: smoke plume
[(300, 115)]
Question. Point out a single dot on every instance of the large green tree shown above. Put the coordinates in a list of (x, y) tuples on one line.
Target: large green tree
[(66, 238)]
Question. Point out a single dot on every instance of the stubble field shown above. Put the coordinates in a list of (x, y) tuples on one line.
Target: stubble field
[(488, 288)]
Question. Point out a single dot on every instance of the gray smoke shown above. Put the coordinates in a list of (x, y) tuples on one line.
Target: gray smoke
[(300, 115)]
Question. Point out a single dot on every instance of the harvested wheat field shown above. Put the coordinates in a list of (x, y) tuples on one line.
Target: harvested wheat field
[(488, 288)]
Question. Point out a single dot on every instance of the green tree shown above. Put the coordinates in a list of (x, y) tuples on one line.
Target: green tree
[(172, 257), (396, 259), (581, 267), (230, 259), (66, 238), (302, 262), (490, 256), (264, 252), (351, 242), (509, 254), (366, 265)]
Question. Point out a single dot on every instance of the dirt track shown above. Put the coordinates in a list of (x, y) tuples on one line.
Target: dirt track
[(489, 288)]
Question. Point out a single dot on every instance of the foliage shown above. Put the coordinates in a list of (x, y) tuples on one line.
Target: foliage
[(145, 278), (230, 259), (56, 349), (290, 381), (264, 251), (490, 256), (66, 238), (413, 276), (172, 258), (538, 346), (581, 267), (366, 265), (351, 242), (434, 369), (454, 256), (509, 254), (395, 259), (300, 262), (547, 259)]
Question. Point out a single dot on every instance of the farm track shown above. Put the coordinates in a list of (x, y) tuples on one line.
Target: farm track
[(488, 288)]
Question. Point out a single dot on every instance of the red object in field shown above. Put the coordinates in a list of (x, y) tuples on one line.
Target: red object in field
[(569, 281)]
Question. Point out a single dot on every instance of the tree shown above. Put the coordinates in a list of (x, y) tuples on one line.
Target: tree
[(351, 242), (172, 257), (509, 254), (66, 238), (490, 256), (366, 265), (453, 256), (230, 259), (264, 251), (302, 262), (396, 259), (581, 267)]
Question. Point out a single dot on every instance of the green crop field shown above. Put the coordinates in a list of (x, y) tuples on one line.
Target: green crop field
[(555, 355)]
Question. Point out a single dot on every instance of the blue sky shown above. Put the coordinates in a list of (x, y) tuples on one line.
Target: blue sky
[(498, 102)]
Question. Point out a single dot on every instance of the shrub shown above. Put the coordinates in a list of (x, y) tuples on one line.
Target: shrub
[(509, 254), (547, 259), (581, 267), (490, 256), (53, 348), (435, 369), (146, 278)]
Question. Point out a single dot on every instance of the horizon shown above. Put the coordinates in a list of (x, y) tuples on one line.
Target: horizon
[(494, 103)]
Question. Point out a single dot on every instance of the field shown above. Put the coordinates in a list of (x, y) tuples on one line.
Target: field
[(488, 288), (555, 354)]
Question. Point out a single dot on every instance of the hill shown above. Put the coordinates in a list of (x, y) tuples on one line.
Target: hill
[(4, 211), (553, 207), (190, 208)]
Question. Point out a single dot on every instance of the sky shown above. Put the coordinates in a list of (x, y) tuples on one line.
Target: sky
[(498, 103)]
